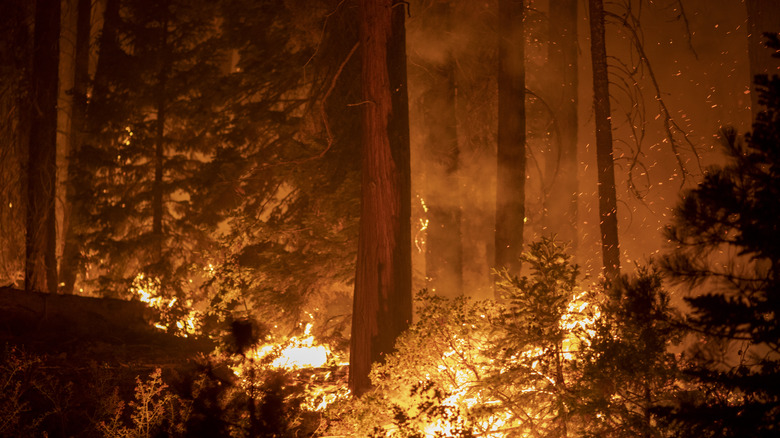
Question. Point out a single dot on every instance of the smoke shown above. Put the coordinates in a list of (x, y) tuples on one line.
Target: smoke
[(704, 84)]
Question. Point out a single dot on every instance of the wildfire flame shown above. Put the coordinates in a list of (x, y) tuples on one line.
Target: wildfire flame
[(147, 290), (296, 353), (306, 359)]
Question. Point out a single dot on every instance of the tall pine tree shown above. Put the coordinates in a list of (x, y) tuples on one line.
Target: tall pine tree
[(511, 158), (728, 252), (604, 160), (157, 83)]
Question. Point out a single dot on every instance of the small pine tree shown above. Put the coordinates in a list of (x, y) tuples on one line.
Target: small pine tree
[(539, 332), (628, 370)]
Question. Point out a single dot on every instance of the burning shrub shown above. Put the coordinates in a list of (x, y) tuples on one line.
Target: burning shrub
[(483, 368)]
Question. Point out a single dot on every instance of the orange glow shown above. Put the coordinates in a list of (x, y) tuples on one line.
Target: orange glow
[(147, 290), (296, 353)]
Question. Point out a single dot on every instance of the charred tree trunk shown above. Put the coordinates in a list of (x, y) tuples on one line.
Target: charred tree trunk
[(69, 264), (763, 16), (606, 166), (41, 260), (443, 249), (382, 307), (510, 176), (561, 165)]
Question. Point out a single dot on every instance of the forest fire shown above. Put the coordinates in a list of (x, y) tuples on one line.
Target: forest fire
[(387, 218)]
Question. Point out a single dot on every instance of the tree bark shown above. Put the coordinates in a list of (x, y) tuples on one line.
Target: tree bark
[(382, 306), (511, 159), (69, 265), (41, 260), (443, 247), (605, 164), (561, 164), (763, 16)]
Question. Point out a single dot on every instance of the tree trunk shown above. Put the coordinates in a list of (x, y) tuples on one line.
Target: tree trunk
[(14, 136), (159, 146), (108, 47), (763, 16), (73, 205), (443, 248), (382, 307), (561, 165), (41, 260), (510, 179), (606, 166)]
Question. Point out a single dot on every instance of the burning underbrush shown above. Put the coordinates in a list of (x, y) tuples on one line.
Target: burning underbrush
[(483, 368), (543, 361)]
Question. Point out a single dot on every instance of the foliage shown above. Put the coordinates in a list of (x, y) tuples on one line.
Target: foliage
[(259, 181), (16, 371), (543, 326), (154, 411), (152, 132), (284, 183), (239, 396), (485, 368), (415, 383), (728, 252), (628, 369), (258, 402), (31, 399)]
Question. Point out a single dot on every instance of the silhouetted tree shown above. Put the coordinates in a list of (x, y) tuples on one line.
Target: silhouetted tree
[(441, 153), (728, 253), (762, 16), (383, 298), (510, 183), (151, 131), (628, 369), (561, 163), (283, 188), (69, 265), (605, 164), (534, 346), (15, 57), (41, 261)]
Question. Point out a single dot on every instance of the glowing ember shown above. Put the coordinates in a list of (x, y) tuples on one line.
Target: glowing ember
[(419, 236)]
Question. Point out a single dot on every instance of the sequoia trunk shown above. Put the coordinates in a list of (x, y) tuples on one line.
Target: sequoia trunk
[(382, 306)]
